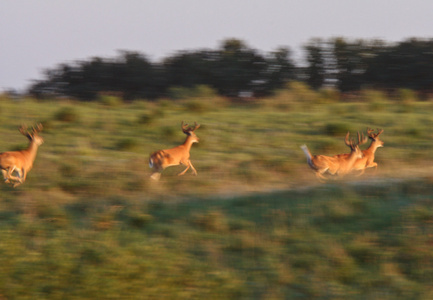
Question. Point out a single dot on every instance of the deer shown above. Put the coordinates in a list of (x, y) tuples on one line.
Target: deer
[(21, 161), (338, 164), (367, 161), (161, 159)]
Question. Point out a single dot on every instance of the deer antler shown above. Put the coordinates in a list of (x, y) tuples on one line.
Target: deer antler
[(196, 126), (362, 139), (23, 131), (372, 135), (379, 131), (187, 129), (350, 143), (38, 128), (184, 127), (370, 132)]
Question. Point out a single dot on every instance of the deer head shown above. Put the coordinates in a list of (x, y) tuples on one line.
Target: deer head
[(375, 136), (189, 131), (34, 135)]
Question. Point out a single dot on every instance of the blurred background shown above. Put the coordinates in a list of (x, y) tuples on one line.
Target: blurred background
[(112, 83)]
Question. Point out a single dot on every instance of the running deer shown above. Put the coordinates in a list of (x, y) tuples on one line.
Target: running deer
[(367, 161), (161, 159), (21, 161), (337, 164)]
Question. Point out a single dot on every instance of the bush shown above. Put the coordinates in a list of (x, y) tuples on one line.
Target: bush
[(126, 144), (302, 92), (139, 220), (329, 95), (336, 128), (110, 100), (178, 92), (197, 106), (168, 132), (376, 99), (67, 114), (146, 119), (406, 96)]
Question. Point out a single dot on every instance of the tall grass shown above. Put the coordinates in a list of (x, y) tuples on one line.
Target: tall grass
[(89, 223)]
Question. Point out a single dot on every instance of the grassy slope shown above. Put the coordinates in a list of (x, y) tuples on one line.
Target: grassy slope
[(88, 223)]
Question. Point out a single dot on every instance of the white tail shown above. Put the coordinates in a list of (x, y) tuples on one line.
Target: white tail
[(308, 155), (161, 159), (21, 162)]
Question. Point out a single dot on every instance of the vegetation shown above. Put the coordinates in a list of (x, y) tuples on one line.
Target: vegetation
[(234, 70), (254, 224)]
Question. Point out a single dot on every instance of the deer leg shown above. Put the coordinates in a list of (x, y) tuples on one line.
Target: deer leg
[(155, 176), (10, 177), (5, 176), (184, 171), (320, 177), (19, 178), (24, 175), (193, 169), (374, 165), (362, 172)]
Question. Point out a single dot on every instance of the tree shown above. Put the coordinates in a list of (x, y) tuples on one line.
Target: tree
[(315, 71)]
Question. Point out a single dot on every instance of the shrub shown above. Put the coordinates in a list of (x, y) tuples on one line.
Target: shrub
[(109, 100), (336, 128), (168, 132), (302, 92), (126, 144), (139, 220), (329, 95), (214, 221), (197, 106), (376, 99), (203, 91), (178, 92), (67, 114), (146, 118), (406, 96)]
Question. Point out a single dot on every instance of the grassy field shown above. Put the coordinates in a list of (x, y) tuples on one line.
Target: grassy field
[(254, 224)]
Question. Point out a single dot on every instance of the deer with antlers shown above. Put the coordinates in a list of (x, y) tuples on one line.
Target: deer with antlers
[(21, 161), (337, 164), (161, 159), (367, 161)]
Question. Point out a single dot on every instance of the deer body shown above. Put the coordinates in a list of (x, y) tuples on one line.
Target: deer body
[(161, 159), (21, 161), (334, 165)]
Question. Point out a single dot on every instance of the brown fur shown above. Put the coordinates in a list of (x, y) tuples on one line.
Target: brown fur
[(21, 162), (334, 165), (367, 161), (161, 159)]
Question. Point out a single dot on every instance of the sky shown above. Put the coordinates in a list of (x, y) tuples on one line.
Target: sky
[(36, 35)]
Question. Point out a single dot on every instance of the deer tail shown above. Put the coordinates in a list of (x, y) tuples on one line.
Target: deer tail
[(308, 155), (157, 158)]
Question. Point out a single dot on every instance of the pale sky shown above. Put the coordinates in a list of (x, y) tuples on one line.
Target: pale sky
[(40, 34)]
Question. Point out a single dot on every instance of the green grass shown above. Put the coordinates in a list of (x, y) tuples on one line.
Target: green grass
[(254, 224)]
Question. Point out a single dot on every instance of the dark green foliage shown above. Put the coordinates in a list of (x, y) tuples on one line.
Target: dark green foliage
[(126, 144), (337, 129), (67, 114), (234, 68)]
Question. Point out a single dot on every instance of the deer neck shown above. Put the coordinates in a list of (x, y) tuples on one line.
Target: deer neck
[(372, 148), (353, 157), (32, 150), (188, 142)]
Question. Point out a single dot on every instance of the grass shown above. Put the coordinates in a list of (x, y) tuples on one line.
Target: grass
[(254, 224)]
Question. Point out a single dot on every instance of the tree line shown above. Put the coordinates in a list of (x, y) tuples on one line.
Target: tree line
[(235, 69)]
